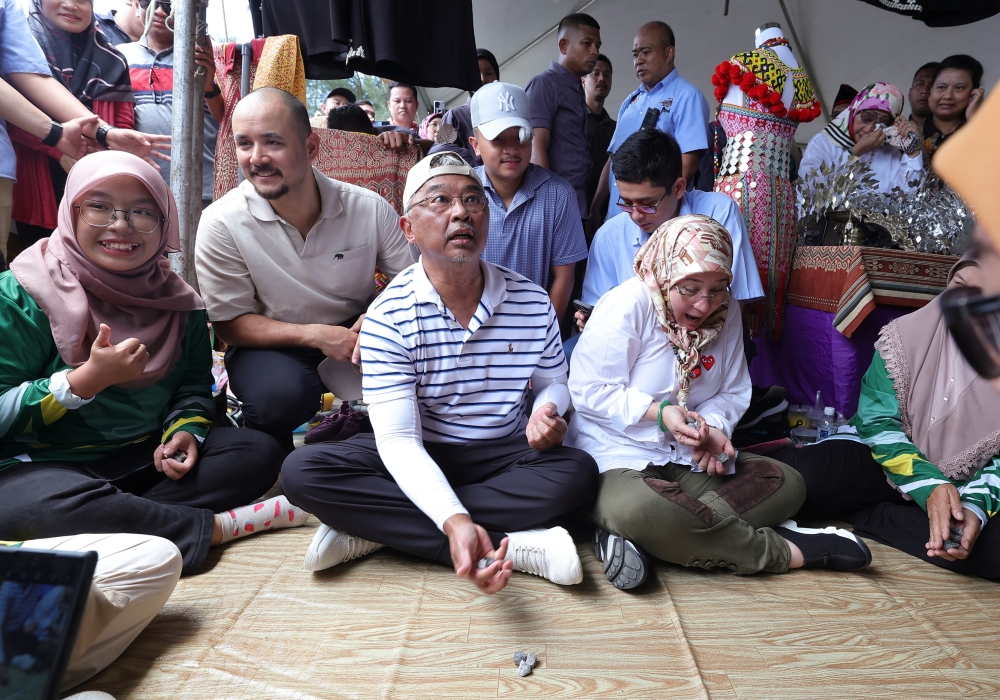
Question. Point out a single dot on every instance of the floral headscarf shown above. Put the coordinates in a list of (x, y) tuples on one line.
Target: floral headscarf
[(683, 247), (427, 122), (883, 96)]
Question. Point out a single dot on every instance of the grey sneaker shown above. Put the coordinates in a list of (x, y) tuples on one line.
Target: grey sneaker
[(625, 564)]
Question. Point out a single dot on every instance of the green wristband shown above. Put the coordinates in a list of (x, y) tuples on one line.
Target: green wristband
[(659, 414)]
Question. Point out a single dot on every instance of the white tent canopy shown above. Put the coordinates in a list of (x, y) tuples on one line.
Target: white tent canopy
[(844, 42)]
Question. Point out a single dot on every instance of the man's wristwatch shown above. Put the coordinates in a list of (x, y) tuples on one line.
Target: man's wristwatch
[(215, 92), (102, 134), (55, 133)]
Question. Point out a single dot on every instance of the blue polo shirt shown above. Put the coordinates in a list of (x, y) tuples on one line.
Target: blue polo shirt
[(559, 104), (615, 244), (542, 228), (684, 114), (19, 53)]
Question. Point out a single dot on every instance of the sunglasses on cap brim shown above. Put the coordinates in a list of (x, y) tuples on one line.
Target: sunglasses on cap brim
[(974, 322)]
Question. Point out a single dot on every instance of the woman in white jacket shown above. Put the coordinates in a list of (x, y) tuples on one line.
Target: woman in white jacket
[(659, 381), (860, 131)]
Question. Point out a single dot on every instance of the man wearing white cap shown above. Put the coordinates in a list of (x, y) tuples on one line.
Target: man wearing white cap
[(455, 471), (535, 228)]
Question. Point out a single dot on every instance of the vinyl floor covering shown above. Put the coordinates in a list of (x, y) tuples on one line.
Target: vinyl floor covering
[(254, 625)]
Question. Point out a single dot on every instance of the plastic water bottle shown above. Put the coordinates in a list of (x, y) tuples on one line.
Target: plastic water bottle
[(828, 426), (816, 412)]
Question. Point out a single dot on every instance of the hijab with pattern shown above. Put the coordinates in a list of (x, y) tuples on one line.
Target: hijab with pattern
[(683, 247), (948, 411), (882, 96), (85, 62), (77, 295)]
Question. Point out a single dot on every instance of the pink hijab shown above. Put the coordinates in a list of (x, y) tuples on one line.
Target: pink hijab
[(150, 303)]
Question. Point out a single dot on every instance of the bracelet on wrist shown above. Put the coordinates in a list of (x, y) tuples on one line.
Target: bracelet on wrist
[(659, 415), (214, 92), (55, 133), (102, 134)]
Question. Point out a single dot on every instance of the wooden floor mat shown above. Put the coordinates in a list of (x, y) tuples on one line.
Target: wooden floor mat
[(254, 625)]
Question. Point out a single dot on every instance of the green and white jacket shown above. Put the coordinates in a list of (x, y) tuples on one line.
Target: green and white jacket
[(41, 420), (879, 424)]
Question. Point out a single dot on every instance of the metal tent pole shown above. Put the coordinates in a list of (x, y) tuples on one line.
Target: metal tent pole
[(187, 144)]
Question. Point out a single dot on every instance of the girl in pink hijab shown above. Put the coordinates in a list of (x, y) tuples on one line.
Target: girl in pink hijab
[(659, 381), (106, 404)]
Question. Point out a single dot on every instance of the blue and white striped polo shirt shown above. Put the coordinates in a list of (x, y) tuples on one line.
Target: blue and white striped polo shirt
[(470, 383)]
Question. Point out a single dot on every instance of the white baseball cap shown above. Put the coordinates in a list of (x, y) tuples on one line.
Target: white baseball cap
[(435, 165), (497, 107)]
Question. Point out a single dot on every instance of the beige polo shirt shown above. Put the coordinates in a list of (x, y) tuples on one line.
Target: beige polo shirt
[(249, 260)]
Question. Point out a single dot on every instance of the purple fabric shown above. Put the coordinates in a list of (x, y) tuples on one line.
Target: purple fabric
[(559, 104), (813, 356)]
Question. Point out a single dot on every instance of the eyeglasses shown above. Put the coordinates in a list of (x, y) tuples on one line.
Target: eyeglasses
[(641, 208), (974, 322), (440, 203), (871, 116), (690, 294), (102, 215), (165, 5)]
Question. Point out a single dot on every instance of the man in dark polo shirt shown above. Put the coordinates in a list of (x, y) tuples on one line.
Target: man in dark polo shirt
[(559, 107), (125, 24), (600, 125)]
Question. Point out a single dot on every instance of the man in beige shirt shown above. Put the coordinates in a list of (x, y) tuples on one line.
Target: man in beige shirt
[(286, 264)]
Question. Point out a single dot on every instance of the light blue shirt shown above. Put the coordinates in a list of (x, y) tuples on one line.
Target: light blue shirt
[(19, 53), (541, 230), (684, 114), (615, 244)]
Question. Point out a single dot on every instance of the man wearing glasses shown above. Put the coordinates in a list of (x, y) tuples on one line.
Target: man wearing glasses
[(652, 190), (456, 471), (151, 66)]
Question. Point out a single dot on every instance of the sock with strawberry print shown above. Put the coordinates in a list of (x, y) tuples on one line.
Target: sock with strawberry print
[(272, 514)]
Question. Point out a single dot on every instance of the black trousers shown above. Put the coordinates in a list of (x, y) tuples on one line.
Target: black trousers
[(506, 486), (844, 481), (52, 499), (279, 388)]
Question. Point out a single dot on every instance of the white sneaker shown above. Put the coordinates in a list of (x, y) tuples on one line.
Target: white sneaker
[(548, 553), (330, 547)]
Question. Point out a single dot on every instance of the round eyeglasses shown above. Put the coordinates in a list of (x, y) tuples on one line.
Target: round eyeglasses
[(103, 214), (689, 294), (440, 203)]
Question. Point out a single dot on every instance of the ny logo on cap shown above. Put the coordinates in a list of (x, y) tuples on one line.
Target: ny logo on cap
[(506, 102)]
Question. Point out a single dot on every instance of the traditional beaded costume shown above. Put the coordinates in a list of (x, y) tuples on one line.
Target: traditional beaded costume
[(753, 169)]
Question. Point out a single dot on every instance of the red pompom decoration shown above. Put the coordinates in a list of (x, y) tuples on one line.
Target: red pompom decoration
[(758, 92), (720, 92), (735, 72), (774, 98), (722, 68), (715, 79), (748, 81), (794, 115)]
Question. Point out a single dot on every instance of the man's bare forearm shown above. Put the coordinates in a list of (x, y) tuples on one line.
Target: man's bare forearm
[(561, 288), (256, 331), (690, 164), (16, 109), (50, 96)]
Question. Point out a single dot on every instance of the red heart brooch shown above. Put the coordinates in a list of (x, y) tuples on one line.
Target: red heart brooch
[(708, 361)]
